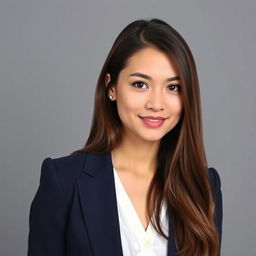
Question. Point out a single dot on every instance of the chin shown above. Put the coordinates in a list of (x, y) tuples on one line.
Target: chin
[(152, 137)]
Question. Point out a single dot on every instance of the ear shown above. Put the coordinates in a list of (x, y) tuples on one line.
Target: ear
[(111, 89), (107, 79)]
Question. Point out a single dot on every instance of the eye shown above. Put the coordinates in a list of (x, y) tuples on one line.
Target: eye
[(138, 84), (174, 87)]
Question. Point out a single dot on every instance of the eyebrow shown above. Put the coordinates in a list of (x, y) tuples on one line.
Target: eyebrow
[(150, 78)]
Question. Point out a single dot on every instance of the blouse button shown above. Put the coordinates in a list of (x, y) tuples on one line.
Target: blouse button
[(147, 244)]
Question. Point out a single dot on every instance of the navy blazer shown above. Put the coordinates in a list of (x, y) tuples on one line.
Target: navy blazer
[(74, 211)]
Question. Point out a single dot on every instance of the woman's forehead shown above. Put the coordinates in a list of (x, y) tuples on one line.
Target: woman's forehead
[(152, 63)]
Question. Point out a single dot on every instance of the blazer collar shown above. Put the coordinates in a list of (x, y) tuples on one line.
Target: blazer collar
[(99, 205)]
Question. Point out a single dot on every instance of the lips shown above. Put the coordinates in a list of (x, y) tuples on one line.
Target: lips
[(152, 121), (153, 118)]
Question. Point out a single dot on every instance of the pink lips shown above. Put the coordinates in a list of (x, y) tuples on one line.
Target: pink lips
[(153, 121)]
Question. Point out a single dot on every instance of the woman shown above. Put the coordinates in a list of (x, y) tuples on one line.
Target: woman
[(141, 185)]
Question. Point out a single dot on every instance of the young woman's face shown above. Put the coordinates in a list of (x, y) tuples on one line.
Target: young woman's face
[(147, 94)]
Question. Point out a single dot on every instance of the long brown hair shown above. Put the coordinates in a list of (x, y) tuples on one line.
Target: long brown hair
[(181, 177)]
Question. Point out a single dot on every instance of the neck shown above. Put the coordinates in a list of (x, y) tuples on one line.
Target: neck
[(136, 156)]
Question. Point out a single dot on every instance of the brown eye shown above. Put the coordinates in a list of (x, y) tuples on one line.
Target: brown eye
[(174, 87), (138, 84)]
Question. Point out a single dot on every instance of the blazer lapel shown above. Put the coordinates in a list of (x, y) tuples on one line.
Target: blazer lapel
[(98, 199), (99, 205)]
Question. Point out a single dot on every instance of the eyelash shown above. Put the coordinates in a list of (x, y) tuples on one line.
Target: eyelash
[(137, 82)]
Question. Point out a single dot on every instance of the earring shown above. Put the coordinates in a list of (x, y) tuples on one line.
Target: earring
[(111, 97)]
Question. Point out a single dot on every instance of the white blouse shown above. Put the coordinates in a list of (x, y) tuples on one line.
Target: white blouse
[(135, 240)]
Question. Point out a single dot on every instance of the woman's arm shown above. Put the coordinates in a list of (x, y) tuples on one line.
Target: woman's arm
[(48, 214)]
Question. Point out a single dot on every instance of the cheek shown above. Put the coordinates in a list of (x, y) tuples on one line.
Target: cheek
[(124, 107), (127, 103), (175, 106)]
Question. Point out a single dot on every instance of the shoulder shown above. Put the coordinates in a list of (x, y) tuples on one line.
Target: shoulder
[(62, 171), (58, 175), (214, 177), (67, 168)]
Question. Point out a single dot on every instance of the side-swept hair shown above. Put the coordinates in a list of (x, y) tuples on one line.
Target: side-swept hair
[(181, 176)]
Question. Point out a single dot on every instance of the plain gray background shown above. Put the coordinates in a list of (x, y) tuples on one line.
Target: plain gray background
[(51, 53)]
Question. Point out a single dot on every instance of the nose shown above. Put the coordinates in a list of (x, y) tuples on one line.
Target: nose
[(155, 101)]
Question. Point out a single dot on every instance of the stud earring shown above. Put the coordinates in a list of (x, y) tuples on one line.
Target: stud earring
[(111, 97)]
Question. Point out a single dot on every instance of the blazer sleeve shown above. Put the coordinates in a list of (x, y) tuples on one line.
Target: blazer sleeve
[(218, 201), (47, 217)]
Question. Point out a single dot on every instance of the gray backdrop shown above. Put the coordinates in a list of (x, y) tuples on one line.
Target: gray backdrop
[(51, 53)]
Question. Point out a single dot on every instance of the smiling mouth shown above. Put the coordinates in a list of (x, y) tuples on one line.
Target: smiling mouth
[(152, 118), (152, 122)]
